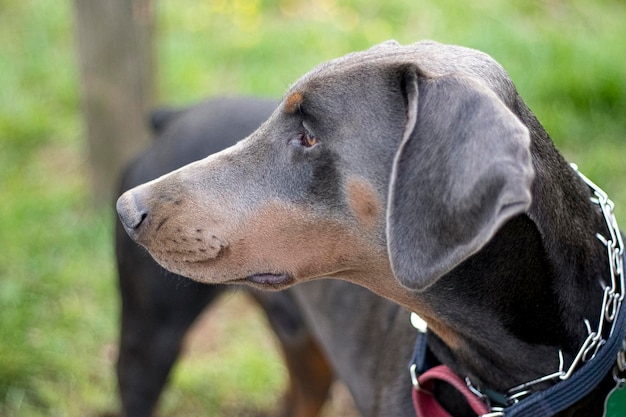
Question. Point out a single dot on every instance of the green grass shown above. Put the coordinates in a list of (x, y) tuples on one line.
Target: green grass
[(58, 304)]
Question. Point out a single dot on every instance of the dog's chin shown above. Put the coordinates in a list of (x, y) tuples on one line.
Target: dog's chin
[(270, 281), (198, 271), (207, 271)]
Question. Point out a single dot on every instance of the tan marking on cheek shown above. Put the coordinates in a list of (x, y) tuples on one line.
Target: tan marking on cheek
[(293, 102), (276, 238), (284, 239), (363, 201)]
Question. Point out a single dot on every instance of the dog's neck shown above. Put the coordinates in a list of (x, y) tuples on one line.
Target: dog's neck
[(525, 296), (503, 315)]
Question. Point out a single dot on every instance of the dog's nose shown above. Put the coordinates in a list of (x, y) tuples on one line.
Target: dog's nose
[(132, 212)]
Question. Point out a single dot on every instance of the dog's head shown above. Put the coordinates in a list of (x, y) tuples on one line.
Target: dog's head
[(398, 160)]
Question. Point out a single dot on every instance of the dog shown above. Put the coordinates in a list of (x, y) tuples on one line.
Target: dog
[(158, 309), (418, 173)]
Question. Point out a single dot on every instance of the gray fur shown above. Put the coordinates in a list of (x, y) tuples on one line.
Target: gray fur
[(496, 233), (474, 174)]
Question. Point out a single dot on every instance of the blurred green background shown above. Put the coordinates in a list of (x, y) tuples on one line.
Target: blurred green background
[(58, 302)]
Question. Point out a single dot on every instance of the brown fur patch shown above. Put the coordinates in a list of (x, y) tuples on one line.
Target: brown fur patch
[(445, 333), (363, 201), (293, 102), (276, 238), (284, 238), (310, 376)]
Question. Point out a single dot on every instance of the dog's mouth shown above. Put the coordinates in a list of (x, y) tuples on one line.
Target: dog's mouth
[(270, 280)]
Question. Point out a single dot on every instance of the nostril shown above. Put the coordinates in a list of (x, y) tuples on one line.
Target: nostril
[(131, 211), (142, 217)]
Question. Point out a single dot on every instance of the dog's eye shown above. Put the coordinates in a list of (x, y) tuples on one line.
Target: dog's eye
[(307, 140)]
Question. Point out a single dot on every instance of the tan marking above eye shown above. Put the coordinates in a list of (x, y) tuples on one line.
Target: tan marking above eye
[(293, 102)]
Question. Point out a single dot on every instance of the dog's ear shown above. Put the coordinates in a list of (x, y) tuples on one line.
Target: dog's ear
[(463, 168)]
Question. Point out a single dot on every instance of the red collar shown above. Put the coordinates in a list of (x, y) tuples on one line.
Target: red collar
[(426, 405)]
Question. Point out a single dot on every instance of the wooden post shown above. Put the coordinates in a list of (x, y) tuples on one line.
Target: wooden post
[(115, 54)]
